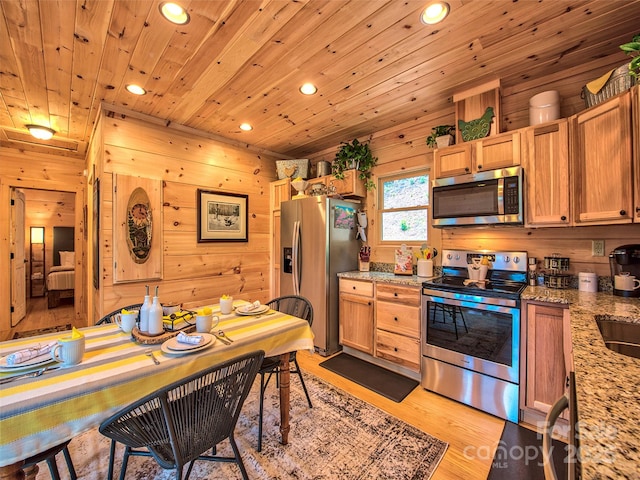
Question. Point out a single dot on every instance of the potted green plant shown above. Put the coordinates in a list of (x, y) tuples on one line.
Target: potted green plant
[(441, 136), (355, 155), (633, 49)]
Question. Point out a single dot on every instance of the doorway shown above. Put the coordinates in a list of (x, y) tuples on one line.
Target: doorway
[(45, 284)]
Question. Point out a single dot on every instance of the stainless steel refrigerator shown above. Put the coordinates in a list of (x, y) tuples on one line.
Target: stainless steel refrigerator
[(318, 238)]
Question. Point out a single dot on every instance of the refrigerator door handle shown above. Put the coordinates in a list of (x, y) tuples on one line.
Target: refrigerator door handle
[(295, 243)]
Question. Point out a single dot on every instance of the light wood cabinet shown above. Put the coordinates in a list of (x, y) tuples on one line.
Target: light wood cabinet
[(350, 186), (545, 350), (356, 315), (635, 122), (545, 158), (279, 191), (490, 153), (601, 163), (398, 325)]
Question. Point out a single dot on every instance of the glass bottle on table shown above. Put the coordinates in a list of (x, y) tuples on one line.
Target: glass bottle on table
[(155, 316)]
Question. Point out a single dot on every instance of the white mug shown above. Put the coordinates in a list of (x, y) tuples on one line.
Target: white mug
[(226, 305), (624, 281), (126, 321), (204, 323), (68, 351)]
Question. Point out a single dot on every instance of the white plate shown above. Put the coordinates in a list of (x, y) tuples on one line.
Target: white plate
[(173, 347), (34, 362), (243, 310)]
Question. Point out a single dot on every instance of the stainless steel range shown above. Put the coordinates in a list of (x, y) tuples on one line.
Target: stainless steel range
[(471, 331)]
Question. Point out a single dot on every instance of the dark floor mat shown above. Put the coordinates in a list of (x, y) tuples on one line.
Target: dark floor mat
[(388, 384), (41, 331), (519, 455)]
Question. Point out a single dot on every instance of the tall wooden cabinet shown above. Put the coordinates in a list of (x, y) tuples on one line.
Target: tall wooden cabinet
[(546, 165), (635, 122), (546, 348), (601, 167), (279, 191)]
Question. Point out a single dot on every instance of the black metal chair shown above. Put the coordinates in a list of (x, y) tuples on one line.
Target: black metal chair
[(297, 306), (178, 423), (49, 456), (109, 318)]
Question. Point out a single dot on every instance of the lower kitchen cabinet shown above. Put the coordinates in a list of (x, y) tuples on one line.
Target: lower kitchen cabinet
[(398, 325), (544, 368), (356, 315)]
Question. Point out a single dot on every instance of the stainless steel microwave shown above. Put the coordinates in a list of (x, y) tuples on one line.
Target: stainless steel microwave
[(494, 197)]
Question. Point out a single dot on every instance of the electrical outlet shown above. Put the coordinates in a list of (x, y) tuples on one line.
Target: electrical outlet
[(597, 248)]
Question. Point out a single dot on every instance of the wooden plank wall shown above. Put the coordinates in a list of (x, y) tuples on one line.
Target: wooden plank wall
[(193, 273), (403, 147), (25, 169)]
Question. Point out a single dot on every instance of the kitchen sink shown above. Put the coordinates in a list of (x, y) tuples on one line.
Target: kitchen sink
[(619, 336)]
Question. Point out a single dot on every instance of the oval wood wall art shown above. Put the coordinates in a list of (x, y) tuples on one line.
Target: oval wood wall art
[(139, 225)]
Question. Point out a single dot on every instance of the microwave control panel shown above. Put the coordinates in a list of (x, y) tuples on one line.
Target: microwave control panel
[(511, 196)]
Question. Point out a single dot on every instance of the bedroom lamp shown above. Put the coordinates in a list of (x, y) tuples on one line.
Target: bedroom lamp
[(37, 234)]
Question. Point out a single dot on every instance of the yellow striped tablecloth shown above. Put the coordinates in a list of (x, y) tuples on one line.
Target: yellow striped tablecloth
[(39, 413)]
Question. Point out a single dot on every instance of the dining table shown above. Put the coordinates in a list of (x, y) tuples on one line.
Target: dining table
[(40, 412)]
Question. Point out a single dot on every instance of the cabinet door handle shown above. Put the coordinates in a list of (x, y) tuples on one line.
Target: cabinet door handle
[(479, 167), (638, 209), (369, 303), (395, 294), (354, 287), (466, 169), (395, 319), (563, 218), (623, 212)]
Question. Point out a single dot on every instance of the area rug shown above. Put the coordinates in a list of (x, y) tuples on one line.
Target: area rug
[(519, 455), (42, 331), (385, 382), (341, 437)]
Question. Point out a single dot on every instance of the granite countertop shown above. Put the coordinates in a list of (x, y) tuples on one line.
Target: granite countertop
[(607, 383)]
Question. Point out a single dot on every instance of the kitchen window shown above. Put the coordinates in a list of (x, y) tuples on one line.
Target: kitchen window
[(404, 207)]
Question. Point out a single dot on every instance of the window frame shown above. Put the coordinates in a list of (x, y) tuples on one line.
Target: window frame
[(382, 179)]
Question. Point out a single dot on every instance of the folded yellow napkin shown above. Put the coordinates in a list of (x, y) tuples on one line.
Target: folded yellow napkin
[(596, 85), (22, 356), (75, 333), (191, 339)]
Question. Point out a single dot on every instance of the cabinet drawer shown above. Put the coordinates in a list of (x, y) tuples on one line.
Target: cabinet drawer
[(402, 319), (356, 287), (397, 294), (398, 349)]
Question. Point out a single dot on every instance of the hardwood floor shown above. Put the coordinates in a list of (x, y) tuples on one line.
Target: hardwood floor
[(39, 316), (472, 435)]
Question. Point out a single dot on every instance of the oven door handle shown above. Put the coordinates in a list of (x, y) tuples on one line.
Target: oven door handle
[(476, 305)]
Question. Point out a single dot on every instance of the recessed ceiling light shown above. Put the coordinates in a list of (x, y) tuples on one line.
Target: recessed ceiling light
[(434, 13), (174, 13), (246, 127), (40, 132), (308, 89), (136, 89)]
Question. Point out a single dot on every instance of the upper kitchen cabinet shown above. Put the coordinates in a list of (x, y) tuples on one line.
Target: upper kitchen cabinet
[(601, 163), (490, 153), (351, 186), (545, 158)]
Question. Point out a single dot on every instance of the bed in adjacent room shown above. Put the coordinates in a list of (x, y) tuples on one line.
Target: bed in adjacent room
[(61, 276)]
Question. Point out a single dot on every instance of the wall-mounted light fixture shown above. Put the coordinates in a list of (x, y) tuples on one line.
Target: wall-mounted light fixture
[(40, 132), (434, 13), (174, 13), (37, 234)]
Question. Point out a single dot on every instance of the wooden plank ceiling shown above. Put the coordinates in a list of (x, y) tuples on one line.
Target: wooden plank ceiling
[(239, 61)]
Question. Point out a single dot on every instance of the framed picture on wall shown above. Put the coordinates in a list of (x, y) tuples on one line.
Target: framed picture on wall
[(222, 217)]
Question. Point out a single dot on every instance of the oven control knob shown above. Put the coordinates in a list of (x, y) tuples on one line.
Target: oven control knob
[(516, 259), (506, 259), (449, 256)]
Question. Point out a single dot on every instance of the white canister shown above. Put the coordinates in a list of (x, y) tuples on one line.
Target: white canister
[(587, 282), (425, 268), (544, 107)]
